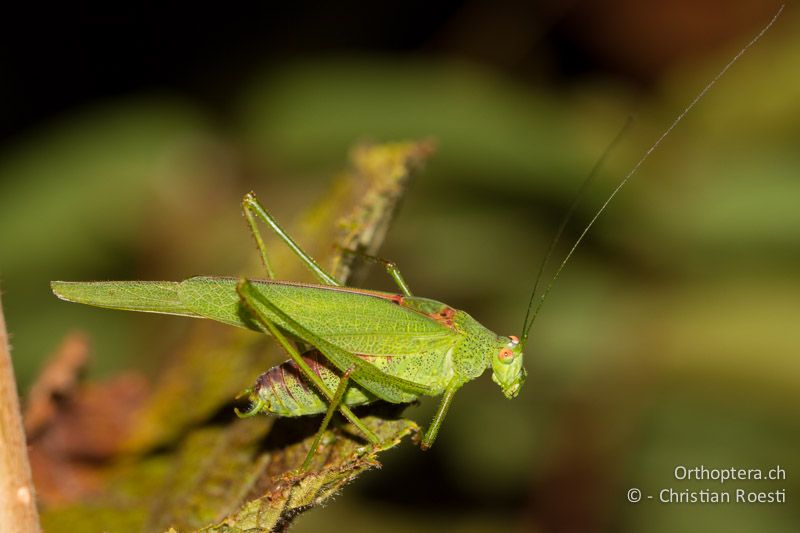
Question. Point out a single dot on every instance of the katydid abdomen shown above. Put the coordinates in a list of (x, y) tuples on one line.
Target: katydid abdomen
[(284, 391)]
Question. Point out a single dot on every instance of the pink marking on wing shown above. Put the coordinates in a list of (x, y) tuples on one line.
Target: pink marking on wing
[(445, 317)]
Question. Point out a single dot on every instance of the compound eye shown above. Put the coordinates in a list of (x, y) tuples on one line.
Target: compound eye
[(506, 355), (514, 340)]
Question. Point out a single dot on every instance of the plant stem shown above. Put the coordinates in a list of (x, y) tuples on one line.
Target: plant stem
[(17, 502)]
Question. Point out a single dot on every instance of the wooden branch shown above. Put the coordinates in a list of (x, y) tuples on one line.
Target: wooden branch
[(17, 502)]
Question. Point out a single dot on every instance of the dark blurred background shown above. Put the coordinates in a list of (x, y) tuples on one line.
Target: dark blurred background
[(128, 136)]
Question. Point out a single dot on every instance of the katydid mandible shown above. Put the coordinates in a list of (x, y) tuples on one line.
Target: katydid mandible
[(367, 345)]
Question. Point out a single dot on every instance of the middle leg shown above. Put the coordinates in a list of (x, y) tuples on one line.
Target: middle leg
[(267, 326), (332, 408), (252, 208), (389, 266)]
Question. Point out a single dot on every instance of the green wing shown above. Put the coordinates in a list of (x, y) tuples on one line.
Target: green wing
[(144, 296), (339, 321), (358, 321), (363, 322), (385, 386)]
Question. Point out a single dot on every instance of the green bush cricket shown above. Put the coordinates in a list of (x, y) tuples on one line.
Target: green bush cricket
[(395, 347), (367, 345)]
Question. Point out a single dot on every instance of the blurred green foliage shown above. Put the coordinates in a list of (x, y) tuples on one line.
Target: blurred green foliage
[(671, 338)]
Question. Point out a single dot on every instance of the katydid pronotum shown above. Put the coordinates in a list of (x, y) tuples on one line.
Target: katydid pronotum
[(366, 345)]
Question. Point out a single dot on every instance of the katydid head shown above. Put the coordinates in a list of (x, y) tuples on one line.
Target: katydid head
[(507, 370)]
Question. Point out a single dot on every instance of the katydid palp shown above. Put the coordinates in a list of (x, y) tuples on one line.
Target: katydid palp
[(367, 345)]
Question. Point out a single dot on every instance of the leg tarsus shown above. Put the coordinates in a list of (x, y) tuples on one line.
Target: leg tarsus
[(389, 266)]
